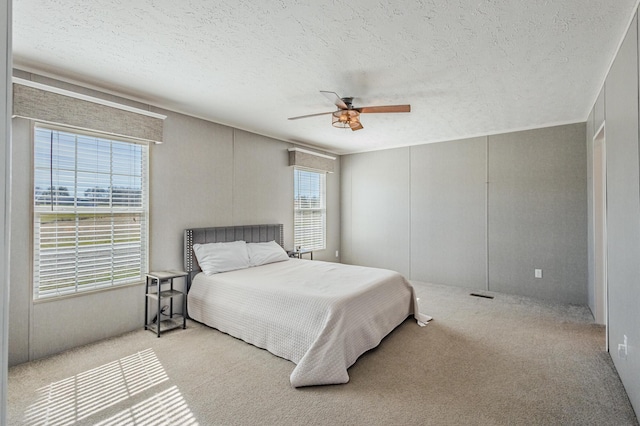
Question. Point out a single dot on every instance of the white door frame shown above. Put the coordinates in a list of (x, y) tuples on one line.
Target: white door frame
[(599, 224), (5, 198)]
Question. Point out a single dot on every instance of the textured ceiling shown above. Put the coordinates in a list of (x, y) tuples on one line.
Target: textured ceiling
[(467, 68)]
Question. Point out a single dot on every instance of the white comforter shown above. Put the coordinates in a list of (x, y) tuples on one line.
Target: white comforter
[(320, 315)]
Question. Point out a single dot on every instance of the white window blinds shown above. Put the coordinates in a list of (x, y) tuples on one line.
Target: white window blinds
[(309, 209), (90, 212)]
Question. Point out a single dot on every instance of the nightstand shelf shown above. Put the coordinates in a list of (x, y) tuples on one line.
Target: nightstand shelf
[(298, 253), (164, 294), (159, 287), (167, 324)]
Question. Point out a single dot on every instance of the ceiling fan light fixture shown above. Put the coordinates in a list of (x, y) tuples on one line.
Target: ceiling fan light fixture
[(343, 119), (348, 117)]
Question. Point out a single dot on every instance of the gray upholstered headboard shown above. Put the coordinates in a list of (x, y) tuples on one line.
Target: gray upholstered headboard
[(225, 234)]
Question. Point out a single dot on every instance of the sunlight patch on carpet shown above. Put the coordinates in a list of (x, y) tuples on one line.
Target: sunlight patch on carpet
[(166, 408), (75, 398)]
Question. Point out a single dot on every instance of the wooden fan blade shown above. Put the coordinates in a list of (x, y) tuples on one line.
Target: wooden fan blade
[(355, 125), (334, 99), (385, 108), (310, 115)]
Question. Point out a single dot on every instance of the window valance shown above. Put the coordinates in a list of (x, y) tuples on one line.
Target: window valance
[(306, 159), (48, 104)]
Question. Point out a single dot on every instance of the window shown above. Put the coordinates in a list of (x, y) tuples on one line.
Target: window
[(90, 212), (310, 209)]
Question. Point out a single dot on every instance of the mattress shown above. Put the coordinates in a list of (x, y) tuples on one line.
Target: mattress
[(321, 316)]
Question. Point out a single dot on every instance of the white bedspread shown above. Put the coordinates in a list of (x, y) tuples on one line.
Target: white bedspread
[(320, 315)]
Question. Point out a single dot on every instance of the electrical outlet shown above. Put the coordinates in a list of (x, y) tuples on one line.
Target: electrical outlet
[(537, 273), (622, 348), (337, 253)]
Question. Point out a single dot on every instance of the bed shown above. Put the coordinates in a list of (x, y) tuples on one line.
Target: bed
[(321, 316)]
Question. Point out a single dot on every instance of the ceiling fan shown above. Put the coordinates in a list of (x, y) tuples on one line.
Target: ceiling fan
[(348, 116)]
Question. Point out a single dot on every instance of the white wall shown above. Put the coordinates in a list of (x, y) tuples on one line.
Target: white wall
[(204, 174), (617, 106), (5, 190), (594, 122), (479, 213)]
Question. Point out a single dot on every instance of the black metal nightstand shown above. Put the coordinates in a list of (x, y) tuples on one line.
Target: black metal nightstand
[(172, 320), (298, 253)]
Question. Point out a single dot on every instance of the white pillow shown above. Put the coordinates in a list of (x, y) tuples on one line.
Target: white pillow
[(263, 253), (221, 257)]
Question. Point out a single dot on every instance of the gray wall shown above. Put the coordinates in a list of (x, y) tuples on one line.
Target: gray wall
[(537, 213), (618, 103), (428, 212), (374, 232), (448, 215), (204, 174)]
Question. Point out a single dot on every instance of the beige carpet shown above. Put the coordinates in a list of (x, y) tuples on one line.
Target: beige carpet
[(509, 360)]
